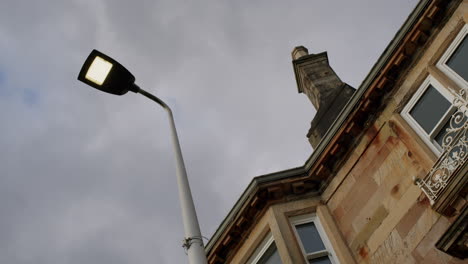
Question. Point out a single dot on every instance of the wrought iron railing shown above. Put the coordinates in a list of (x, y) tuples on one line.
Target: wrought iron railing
[(454, 150)]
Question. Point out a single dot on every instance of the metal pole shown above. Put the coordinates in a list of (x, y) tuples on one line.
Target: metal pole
[(193, 241)]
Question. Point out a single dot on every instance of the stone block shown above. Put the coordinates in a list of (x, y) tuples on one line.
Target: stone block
[(401, 208), (342, 192), (409, 220), (373, 223), (431, 237)]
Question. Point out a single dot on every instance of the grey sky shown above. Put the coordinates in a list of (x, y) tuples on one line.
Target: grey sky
[(86, 177)]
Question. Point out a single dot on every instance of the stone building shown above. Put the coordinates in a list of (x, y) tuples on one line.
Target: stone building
[(387, 181)]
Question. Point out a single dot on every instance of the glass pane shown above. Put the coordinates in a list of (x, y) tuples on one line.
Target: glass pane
[(440, 136), (458, 120), (270, 256), (459, 60), (310, 237), (429, 109), (321, 260)]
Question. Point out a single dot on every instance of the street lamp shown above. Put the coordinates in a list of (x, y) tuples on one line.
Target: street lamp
[(104, 73)]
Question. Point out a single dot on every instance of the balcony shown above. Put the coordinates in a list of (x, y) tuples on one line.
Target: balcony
[(446, 182)]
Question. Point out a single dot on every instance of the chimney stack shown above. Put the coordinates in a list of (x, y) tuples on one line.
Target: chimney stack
[(326, 91)]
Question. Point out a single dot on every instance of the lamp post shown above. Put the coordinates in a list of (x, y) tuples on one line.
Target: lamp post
[(104, 73)]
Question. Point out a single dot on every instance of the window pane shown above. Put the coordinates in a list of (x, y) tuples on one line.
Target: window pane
[(459, 60), (321, 260), (440, 136), (270, 256), (310, 237), (429, 109), (459, 121)]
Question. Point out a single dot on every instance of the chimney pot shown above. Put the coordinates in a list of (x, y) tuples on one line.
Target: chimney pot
[(299, 52)]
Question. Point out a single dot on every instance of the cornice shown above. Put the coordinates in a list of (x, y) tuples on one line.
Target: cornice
[(262, 192)]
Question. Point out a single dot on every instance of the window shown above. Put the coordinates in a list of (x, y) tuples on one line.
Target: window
[(454, 62), (312, 239), (440, 115), (429, 111), (266, 253)]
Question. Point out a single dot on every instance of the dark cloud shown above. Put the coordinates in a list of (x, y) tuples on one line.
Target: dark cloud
[(87, 177)]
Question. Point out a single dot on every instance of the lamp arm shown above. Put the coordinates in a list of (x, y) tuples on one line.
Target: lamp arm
[(152, 97), (193, 241)]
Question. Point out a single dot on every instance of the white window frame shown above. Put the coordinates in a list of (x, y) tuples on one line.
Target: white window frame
[(308, 218), (405, 113), (261, 249), (442, 64)]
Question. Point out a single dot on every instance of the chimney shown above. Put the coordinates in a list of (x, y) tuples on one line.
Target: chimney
[(326, 91)]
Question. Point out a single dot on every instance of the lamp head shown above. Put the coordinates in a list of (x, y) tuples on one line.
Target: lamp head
[(104, 73)]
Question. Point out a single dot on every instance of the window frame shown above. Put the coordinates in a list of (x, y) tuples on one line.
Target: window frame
[(429, 139), (308, 218), (261, 249), (442, 63)]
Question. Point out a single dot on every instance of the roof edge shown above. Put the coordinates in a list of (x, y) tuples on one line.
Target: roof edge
[(256, 181)]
